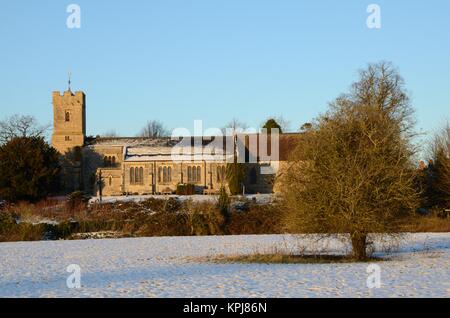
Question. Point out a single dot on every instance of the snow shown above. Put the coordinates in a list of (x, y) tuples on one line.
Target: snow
[(259, 198), (176, 267)]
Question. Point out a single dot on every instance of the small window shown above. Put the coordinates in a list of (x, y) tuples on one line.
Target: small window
[(136, 175), (132, 175), (141, 175), (199, 174), (67, 117), (110, 181), (190, 174), (165, 174)]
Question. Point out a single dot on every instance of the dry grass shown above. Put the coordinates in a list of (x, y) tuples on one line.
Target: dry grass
[(287, 253), (287, 259), (419, 224)]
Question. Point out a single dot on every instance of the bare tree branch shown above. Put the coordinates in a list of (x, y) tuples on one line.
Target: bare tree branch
[(154, 129), (21, 126), (234, 126)]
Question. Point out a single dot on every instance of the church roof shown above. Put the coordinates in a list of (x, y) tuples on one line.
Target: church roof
[(140, 149)]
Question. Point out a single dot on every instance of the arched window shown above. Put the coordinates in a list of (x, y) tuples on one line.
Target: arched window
[(105, 161), (67, 116), (136, 175), (189, 174), (113, 161), (132, 175), (159, 174), (165, 174), (199, 174), (110, 180), (141, 175), (169, 174)]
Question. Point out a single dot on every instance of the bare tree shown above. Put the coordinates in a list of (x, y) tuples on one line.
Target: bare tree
[(21, 126), (154, 129), (353, 170), (234, 126)]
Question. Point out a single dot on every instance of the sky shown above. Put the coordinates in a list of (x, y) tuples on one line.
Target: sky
[(177, 61)]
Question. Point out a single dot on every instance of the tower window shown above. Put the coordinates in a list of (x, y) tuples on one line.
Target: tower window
[(67, 138), (67, 116)]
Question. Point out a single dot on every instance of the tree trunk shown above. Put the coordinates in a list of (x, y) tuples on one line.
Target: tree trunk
[(359, 245)]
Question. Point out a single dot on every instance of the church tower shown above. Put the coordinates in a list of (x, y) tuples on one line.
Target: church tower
[(69, 120)]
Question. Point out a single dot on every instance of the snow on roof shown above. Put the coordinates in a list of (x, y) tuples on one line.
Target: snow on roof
[(176, 152), (133, 141)]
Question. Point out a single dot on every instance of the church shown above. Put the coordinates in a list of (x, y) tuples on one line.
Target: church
[(135, 165)]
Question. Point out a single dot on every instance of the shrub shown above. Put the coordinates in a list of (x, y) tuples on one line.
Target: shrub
[(172, 205), (256, 219), (223, 205), (205, 218), (236, 173), (6, 222), (75, 200)]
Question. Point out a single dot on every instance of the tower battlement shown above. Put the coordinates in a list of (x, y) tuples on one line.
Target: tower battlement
[(67, 93)]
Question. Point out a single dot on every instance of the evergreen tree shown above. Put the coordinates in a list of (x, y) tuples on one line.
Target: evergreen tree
[(29, 169), (272, 124)]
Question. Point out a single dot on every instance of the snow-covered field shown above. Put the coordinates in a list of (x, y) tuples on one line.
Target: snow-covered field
[(173, 267)]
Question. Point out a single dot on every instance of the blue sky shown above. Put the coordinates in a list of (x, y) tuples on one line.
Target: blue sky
[(181, 60)]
